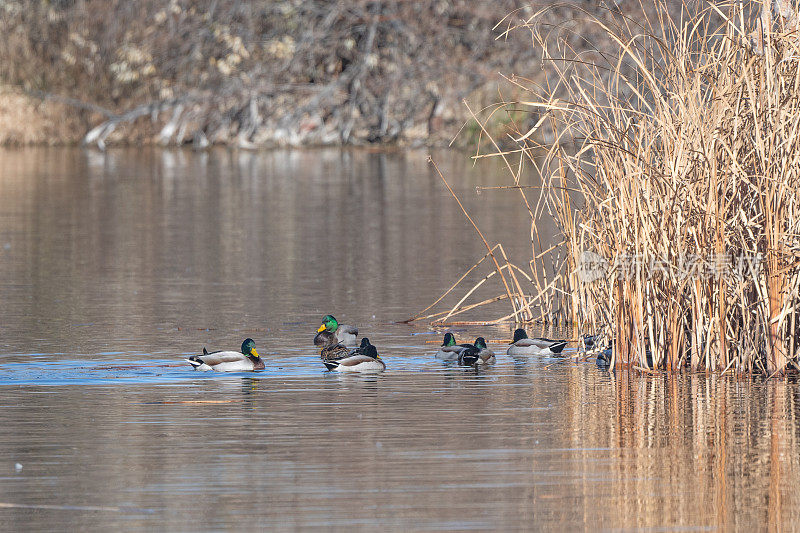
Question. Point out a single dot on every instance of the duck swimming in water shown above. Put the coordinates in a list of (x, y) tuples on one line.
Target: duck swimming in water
[(604, 357), (449, 350), (333, 350), (365, 358), (475, 354), (229, 361), (522, 345), (485, 355), (469, 356), (330, 327)]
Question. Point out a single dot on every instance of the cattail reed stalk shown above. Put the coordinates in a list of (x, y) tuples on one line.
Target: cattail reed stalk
[(687, 152)]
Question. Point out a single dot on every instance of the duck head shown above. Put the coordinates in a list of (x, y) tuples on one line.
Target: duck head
[(329, 323), (449, 339), (249, 348), (368, 349), (480, 343), (371, 351), (519, 335)]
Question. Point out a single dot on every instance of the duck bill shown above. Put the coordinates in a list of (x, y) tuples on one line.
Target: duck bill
[(254, 353), (321, 328)]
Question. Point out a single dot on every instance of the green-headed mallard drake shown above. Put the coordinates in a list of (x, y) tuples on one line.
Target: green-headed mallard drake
[(484, 354), (229, 361), (449, 350), (475, 354), (330, 327), (365, 358), (522, 345)]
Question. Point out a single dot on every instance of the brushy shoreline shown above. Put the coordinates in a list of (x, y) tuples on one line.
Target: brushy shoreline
[(284, 73), (251, 75)]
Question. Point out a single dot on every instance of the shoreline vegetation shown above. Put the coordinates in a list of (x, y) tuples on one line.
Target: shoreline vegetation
[(674, 184), (249, 75), (260, 75)]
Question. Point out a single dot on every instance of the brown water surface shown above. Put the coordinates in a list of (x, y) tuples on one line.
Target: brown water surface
[(115, 266)]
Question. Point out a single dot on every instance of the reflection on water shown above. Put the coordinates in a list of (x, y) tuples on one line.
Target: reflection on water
[(161, 252), (440, 449), (114, 266)]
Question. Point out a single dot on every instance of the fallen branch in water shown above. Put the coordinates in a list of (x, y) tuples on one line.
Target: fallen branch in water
[(99, 133)]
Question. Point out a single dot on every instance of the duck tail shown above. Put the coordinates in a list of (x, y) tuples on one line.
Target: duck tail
[(558, 347), (205, 352), (468, 357), (194, 361), (331, 365)]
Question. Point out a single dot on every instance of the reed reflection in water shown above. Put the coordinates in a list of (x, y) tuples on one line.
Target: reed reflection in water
[(518, 446)]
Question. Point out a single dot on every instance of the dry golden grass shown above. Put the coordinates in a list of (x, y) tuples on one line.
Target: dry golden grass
[(683, 146), (26, 120)]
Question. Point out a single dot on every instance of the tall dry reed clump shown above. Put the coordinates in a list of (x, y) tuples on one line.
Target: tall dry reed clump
[(674, 179)]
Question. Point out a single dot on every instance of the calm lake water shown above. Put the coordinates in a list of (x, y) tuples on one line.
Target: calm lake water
[(115, 266)]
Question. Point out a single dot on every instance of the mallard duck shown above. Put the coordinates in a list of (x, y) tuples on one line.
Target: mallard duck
[(449, 350), (475, 354), (522, 345), (229, 361), (365, 358), (604, 357), (333, 350), (589, 341), (469, 356), (484, 354), (330, 327)]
